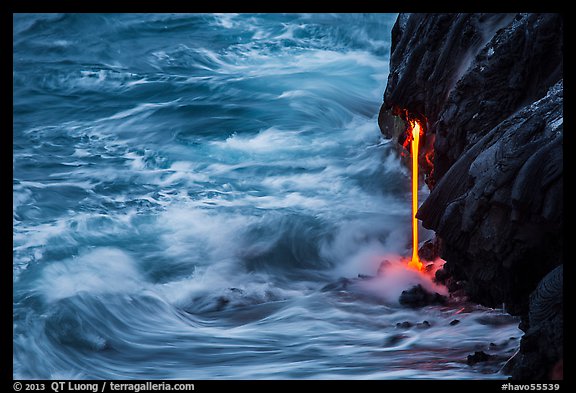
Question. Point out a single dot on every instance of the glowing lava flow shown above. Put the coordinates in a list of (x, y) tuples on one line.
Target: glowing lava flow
[(415, 128)]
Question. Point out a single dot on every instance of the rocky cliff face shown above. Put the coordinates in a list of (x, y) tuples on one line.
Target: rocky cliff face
[(489, 91)]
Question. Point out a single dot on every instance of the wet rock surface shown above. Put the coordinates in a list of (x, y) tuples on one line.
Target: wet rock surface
[(488, 89), (478, 357), (417, 297), (541, 348)]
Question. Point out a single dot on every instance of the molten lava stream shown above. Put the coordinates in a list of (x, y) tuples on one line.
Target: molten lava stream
[(415, 128)]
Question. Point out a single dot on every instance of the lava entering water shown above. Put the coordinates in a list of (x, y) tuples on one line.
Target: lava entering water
[(415, 128)]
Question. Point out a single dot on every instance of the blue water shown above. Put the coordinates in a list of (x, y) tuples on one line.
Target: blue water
[(184, 188)]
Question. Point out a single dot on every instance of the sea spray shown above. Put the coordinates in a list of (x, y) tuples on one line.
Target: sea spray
[(186, 184)]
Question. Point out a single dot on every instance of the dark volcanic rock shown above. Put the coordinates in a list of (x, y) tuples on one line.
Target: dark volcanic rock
[(489, 91), (479, 356), (423, 325), (430, 250), (499, 207), (395, 340), (515, 68), (541, 348), (429, 54), (465, 73), (408, 325), (444, 277), (441, 276), (417, 296)]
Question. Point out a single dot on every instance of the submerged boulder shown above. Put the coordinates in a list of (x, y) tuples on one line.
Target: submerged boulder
[(478, 357)]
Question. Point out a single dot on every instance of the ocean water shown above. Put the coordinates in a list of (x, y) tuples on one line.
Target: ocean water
[(189, 189)]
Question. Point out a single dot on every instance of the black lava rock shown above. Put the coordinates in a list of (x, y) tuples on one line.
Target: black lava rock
[(423, 325), (394, 340), (488, 89), (441, 276), (479, 356), (417, 297), (541, 348), (430, 250)]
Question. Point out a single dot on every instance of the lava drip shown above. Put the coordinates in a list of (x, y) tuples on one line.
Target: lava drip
[(415, 129)]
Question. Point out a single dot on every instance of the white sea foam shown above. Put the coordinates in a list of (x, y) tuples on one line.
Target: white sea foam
[(194, 247), (144, 108), (266, 141), (103, 270), (189, 231), (226, 20)]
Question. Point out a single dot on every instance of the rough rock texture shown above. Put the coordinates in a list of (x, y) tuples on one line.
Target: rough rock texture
[(477, 357), (417, 297), (430, 250), (488, 89), (430, 52), (541, 349), (499, 208), (462, 74)]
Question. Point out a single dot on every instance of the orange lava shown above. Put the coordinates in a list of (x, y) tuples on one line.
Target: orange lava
[(415, 128)]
